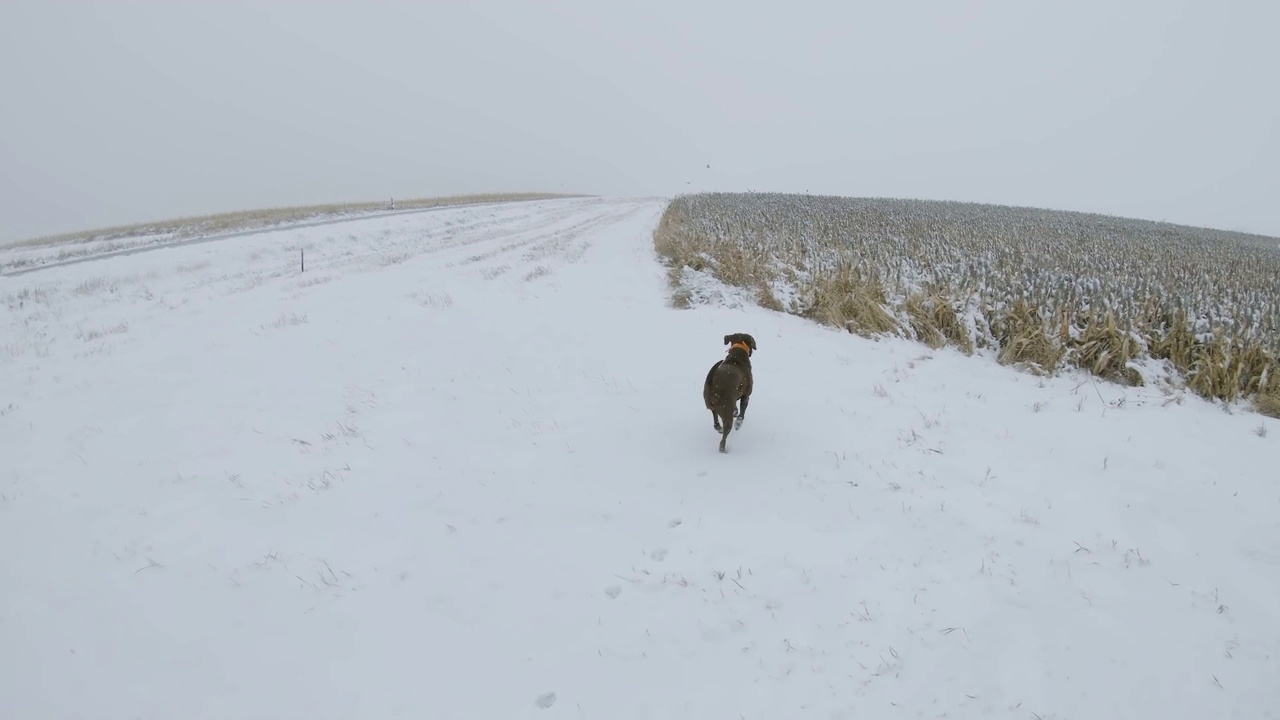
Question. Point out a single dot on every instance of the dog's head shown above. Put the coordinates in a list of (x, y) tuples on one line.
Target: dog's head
[(742, 341)]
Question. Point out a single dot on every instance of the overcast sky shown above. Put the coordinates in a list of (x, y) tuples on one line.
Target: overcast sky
[(117, 112)]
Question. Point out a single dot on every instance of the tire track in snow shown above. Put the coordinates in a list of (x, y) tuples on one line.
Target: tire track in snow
[(441, 240), (391, 246), (541, 254)]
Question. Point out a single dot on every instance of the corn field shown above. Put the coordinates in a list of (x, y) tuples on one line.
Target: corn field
[(1041, 288)]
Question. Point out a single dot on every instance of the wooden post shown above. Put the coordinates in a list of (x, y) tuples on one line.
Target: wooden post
[(304, 259)]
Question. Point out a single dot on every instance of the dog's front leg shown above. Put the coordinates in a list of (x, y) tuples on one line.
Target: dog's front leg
[(742, 412)]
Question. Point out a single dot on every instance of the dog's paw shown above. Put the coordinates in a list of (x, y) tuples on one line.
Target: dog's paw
[(737, 424)]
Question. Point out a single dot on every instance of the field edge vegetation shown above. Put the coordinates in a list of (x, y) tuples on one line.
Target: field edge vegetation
[(1041, 290)]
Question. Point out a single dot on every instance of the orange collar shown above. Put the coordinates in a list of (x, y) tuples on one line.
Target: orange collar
[(745, 348)]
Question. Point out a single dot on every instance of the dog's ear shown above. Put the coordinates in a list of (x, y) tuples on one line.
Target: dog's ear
[(726, 340), (751, 341)]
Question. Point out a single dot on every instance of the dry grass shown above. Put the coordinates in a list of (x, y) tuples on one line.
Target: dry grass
[(288, 320), (846, 298), (28, 296), (394, 258), (95, 285), (1041, 289), (1269, 403), (313, 280), (681, 298), (430, 299), (1024, 340), (91, 335)]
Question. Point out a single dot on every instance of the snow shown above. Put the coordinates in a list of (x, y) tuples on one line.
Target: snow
[(460, 468)]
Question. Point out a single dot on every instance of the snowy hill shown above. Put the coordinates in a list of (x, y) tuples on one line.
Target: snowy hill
[(459, 467)]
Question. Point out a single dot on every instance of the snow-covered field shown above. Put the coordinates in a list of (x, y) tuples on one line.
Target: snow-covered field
[(460, 468), (30, 256)]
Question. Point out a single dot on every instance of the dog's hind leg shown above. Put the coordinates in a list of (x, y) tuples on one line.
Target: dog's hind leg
[(709, 395), (728, 425), (742, 412)]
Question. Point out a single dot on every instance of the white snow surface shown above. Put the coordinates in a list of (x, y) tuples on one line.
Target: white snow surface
[(460, 468)]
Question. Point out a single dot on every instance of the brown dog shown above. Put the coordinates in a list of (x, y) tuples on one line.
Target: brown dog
[(729, 383)]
